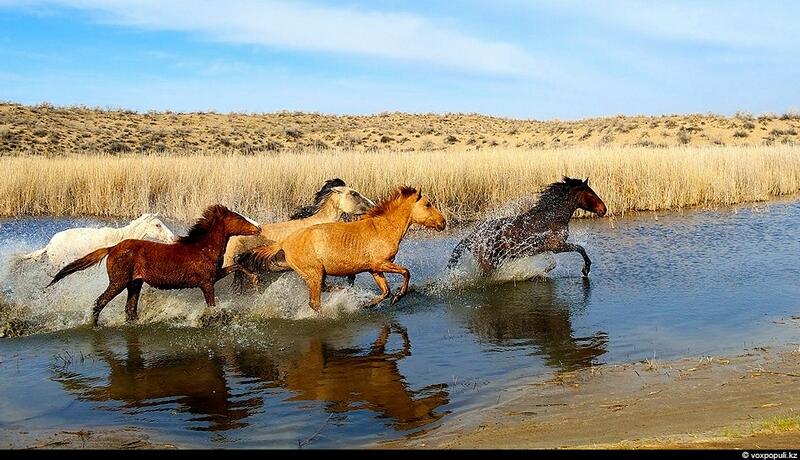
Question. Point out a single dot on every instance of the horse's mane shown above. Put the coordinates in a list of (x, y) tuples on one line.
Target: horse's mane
[(204, 224), (382, 207), (319, 199), (556, 193)]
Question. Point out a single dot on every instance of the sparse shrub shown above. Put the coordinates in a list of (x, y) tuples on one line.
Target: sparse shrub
[(740, 134), (450, 139), (293, 133), (684, 136), (318, 145), (118, 147), (791, 115), (273, 146), (783, 132), (749, 125), (6, 134), (386, 139)]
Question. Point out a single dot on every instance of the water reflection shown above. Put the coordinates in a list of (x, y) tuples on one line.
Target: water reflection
[(206, 382), (193, 381), (350, 379), (537, 313)]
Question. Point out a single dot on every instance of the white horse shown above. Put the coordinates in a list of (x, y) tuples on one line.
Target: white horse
[(68, 245)]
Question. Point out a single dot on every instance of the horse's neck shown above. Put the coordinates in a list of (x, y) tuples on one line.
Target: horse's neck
[(213, 246), (117, 234), (395, 222), (329, 212), (558, 213)]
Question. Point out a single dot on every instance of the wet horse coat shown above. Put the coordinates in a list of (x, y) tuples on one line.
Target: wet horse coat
[(543, 228)]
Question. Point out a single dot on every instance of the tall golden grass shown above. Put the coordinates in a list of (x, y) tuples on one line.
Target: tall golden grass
[(464, 185)]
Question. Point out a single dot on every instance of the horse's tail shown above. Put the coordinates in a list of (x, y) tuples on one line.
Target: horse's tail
[(261, 257), (456, 255), (93, 258)]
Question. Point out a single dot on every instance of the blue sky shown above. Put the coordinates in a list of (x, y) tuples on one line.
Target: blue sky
[(528, 59)]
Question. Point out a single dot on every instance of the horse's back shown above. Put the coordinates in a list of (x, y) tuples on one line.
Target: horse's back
[(73, 243)]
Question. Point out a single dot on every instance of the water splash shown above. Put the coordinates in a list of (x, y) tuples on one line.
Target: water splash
[(68, 303), (468, 275)]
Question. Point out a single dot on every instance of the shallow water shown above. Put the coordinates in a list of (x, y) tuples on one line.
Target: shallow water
[(692, 283)]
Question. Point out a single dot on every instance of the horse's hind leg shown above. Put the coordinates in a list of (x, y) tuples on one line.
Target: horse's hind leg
[(314, 279), (383, 285), (134, 289), (113, 290)]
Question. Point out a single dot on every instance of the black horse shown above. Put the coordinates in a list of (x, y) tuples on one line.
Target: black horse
[(543, 228)]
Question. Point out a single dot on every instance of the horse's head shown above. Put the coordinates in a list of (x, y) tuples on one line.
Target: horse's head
[(423, 213), (237, 224), (349, 201), (150, 227), (586, 198)]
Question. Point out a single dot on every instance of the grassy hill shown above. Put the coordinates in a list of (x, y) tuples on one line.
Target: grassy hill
[(44, 129)]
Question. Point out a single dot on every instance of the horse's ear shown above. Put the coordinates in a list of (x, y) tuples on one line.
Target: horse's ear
[(586, 182), (419, 194), (565, 179)]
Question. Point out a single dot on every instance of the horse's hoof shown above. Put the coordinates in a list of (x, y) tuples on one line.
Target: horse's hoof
[(395, 298)]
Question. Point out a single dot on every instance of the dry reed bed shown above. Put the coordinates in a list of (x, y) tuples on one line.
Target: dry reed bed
[(465, 185)]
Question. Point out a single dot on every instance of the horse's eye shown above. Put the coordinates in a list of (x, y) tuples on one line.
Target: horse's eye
[(427, 205)]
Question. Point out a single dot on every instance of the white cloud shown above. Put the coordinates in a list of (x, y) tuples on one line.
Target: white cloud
[(733, 23), (307, 27)]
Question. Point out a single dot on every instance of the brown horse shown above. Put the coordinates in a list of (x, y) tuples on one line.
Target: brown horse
[(194, 260), (544, 228), (369, 244)]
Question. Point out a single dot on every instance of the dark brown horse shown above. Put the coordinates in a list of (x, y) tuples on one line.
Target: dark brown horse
[(194, 260), (543, 228)]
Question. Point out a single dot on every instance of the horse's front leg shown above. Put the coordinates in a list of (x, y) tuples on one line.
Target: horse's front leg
[(383, 285), (391, 267), (570, 247), (208, 293)]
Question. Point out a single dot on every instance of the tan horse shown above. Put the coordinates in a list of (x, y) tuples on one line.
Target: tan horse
[(369, 244), (331, 203)]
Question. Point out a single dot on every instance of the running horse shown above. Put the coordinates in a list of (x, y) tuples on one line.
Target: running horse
[(194, 260), (333, 202), (543, 228), (369, 244)]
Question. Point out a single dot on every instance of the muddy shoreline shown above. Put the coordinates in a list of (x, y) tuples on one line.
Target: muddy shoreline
[(745, 401)]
